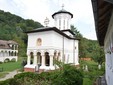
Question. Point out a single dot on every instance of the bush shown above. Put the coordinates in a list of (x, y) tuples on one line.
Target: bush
[(10, 81), (68, 75), (1, 62)]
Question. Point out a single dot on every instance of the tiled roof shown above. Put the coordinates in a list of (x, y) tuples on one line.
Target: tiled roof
[(5, 44)]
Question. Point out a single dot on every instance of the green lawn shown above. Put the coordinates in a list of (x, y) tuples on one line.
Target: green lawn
[(93, 72), (10, 66)]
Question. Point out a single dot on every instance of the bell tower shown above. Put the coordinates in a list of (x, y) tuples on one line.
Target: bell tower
[(62, 19)]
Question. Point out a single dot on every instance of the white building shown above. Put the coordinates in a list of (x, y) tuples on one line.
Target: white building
[(8, 50), (103, 14), (48, 43)]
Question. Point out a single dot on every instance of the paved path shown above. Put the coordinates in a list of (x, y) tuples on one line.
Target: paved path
[(101, 81), (9, 75)]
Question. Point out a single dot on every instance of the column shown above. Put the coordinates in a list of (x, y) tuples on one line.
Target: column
[(43, 60), (28, 59), (51, 60), (14, 47), (35, 60)]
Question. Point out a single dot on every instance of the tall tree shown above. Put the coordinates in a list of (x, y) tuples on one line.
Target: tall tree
[(76, 32)]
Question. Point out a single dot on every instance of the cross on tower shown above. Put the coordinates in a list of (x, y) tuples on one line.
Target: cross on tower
[(62, 6), (46, 22)]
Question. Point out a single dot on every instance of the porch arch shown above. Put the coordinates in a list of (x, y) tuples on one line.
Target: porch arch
[(47, 59)]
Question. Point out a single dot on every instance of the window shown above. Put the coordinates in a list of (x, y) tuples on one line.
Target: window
[(59, 23), (39, 41), (64, 23)]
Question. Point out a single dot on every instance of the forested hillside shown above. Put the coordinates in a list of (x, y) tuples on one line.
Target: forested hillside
[(12, 27), (89, 48)]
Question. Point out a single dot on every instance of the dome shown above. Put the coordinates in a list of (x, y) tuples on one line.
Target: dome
[(62, 11)]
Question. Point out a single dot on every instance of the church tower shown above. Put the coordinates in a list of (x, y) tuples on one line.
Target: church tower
[(62, 19)]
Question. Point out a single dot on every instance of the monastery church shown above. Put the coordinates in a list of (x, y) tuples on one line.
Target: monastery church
[(48, 43)]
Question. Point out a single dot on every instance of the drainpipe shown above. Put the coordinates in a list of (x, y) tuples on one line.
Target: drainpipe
[(74, 51), (63, 50)]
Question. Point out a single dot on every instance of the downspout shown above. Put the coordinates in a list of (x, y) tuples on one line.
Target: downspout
[(74, 51), (63, 50)]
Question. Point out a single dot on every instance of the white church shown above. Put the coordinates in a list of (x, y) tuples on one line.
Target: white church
[(48, 43)]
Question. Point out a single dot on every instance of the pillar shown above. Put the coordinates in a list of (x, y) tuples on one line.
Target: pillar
[(42, 67), (51, 60), (35, 60), (43, 60), (28, 59)]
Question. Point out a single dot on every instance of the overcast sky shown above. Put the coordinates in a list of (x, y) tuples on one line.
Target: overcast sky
[(38, 10)]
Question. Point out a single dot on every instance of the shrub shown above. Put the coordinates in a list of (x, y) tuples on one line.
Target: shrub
[(68, 76), (1, 62), (10, 81)]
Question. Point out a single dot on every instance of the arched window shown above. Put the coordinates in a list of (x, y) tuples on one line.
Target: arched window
[(39, 41), (59, 23), (64, 24)]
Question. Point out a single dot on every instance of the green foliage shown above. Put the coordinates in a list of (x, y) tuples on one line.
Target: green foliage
[(69, 75), (10, 66), (76, 32), (93, 72), (12, 27), (99, 55), (86, 47)]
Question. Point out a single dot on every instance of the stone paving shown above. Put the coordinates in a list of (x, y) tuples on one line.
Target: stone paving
[(9, 75), (101, 81)]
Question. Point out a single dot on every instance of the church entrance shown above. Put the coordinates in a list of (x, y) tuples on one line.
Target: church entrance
[(47, 59)]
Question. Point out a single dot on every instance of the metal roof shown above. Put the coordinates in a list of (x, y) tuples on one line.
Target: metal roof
[(51, 29), (62, 11)]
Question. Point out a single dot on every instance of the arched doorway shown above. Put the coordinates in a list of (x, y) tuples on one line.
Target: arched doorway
[(47, 59)]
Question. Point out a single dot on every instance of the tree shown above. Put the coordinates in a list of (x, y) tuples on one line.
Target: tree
[(99, 55), (76, 32)]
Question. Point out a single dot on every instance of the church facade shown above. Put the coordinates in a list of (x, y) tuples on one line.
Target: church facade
[(47, 44)]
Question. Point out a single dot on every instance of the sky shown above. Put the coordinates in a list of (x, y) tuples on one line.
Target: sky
[(38, 10)]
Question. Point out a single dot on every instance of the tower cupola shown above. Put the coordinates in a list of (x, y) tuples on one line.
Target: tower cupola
[(62, 19)]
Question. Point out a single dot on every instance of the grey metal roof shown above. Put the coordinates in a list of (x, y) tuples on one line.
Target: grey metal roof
[(62, 11), (51, 29)]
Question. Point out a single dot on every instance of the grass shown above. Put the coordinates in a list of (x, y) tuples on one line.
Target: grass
[(93, 72), (87, 81), (10, 66)]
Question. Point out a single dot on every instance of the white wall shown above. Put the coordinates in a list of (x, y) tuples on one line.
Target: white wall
[(53, 40), (62, 17), (45, 36), (108, 47), (4, 54)]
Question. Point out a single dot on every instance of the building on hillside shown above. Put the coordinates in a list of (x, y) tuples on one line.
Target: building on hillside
[(8, 50), (48, 43), (103, 15)]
